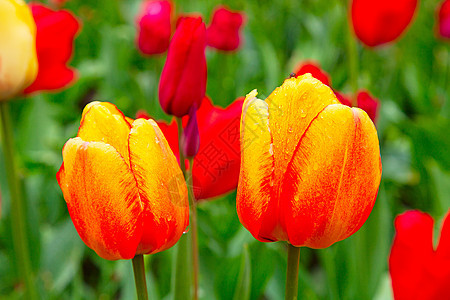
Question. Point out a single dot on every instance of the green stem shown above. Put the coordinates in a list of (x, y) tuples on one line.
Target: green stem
[(193, 225), (352, 57), (18, 225), (139, 277), (292, 272)]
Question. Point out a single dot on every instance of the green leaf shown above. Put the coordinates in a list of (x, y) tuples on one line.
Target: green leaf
[(243, 287)]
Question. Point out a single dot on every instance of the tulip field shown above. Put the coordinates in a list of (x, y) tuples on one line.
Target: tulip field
[(263, 150)]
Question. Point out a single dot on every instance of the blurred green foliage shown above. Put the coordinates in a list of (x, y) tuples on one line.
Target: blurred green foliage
[(411, 78)]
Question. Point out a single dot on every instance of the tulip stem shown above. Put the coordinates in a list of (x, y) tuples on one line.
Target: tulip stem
[(292, 272), (139, 277), (352, 57), (18, 225), (193, 225)]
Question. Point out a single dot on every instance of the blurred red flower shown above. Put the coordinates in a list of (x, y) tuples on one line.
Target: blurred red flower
[(154, 26), (444, 19), (315, 70), (223, 32), (379, 22), (56, 31), (183, 79), (216, 165), (418, 271), (364, 100)]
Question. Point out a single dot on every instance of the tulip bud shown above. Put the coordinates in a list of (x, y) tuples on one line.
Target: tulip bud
[(190, 140), (379, 22), (223, 33), (183, 79), (56, 31), (310, 166), (122, 184), (18, 61), (444, 19), (154, 27), (369, 104), (315, 70)]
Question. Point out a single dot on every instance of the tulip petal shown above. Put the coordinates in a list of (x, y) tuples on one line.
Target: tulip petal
[(292, 107), (329, 190), (103, 122), (443, 249), (161, 187), (256, 179), (102, 198)]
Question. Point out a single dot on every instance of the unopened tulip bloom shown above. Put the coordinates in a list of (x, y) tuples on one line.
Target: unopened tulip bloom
[(18, 61), (183, 79), (122, 184), (154, 26), (56, 31), (444, 19), (383, 21), (418, 270), (224, 31), (310, 166), (314, 69)]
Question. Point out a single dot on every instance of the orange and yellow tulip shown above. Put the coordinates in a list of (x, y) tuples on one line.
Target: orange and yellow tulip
[(122, 184), (18, 60), (310, 166)]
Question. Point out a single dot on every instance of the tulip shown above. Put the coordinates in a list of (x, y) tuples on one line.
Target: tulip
[(216, 165), (123, 187), (364, 100), (444, 19), (314, 69), (418, 270), (310, 166), (56, 31), (154, 26), (183, 79), (18, 62), (224, 31), (380, 22)]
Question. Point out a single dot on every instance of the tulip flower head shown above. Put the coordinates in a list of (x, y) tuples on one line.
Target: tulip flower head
[(314, 69), (183, 79), (444, 19), (56, 31), (380, 22), (310, 166), (154, 26), (224, 31), (418, 270), (122, 184), (18, 60)]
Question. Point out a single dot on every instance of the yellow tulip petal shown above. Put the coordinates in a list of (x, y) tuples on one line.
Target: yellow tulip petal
[(292, 107), (161, 186), (331, 183), (104, 122), (255, 209), (102, 198)]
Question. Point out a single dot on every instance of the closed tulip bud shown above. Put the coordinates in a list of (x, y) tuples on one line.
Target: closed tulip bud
[(18, 60), (444, 19), (190, 140), (122, 184), (224, 31), (183, 79), (56, 31), (154, 27), (369, 104), (310, 166), (383, 21)]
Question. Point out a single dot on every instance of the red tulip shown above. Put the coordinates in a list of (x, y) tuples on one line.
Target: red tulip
[(315, 70), (183, 79), (444, 19), (382, 21), (364, 100), (154, 26), (418, 270), (310, 166), (223, 32), (216, 165), (56, 31), (344, 99)]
